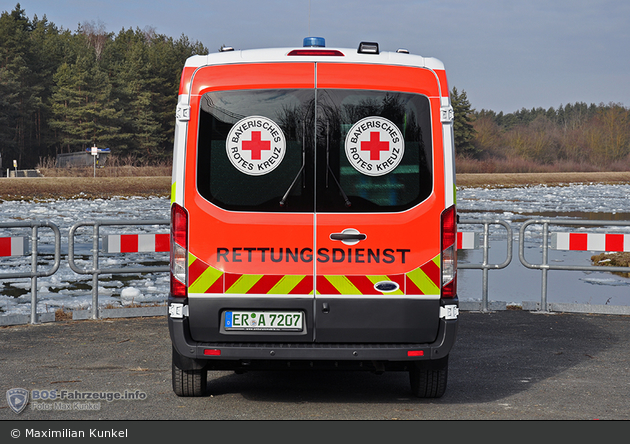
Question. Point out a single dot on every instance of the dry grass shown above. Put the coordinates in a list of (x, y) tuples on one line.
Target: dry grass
[(63, 315), (121, 177), (115, 166), (519, 165), (612, 260), (517, 171), (144, 181), (26, 188), (558, 178), (117, 171)]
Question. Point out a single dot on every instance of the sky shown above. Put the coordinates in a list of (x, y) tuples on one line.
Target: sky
[(506, 55)]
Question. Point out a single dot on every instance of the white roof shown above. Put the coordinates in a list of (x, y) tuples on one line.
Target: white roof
[(281, 55)]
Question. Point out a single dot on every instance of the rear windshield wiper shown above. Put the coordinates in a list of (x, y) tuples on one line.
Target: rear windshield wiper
[(329, 169), (286, 195)]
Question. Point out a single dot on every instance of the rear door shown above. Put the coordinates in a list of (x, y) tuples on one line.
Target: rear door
[(315, 188), (250, 197), (379, 196)]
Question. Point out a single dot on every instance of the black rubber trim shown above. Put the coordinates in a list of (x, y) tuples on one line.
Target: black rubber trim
[(188, 348)]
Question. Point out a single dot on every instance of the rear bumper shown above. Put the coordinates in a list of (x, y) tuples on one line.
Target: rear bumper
[(226, 355)]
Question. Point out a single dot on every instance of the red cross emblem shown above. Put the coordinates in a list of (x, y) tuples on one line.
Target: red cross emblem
[(256, 145), (375, 146)]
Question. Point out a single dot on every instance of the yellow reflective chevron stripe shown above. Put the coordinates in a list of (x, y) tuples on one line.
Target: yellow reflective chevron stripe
[(357, 284), (173, 188), (286, 284), (425, 279), (244, 283), (343, 285), (203, 278)]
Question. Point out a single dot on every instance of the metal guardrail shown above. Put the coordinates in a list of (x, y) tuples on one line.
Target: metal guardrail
[(34, 273), (485, 266), (95, 271), (545, 266)]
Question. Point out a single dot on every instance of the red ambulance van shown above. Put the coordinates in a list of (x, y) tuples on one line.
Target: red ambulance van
[(313, 215)]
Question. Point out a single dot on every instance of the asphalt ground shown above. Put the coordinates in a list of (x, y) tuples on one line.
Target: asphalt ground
[(506, 365)]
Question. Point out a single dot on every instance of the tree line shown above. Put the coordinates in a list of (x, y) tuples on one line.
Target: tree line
[(572, 137), (64, 91)]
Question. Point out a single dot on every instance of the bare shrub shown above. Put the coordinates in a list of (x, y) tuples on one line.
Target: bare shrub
[(517, 164), (115, 166), (621, 259)]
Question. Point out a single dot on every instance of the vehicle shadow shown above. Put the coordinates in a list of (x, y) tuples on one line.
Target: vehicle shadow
[(496, 355)]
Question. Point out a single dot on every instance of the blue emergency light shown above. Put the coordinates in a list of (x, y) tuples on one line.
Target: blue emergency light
[(314, 42)]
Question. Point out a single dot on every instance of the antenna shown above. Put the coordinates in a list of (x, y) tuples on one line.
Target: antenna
[(309, 17)]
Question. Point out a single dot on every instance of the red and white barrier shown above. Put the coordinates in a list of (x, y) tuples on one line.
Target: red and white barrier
[(467, 240), (148, 243), (136, 243), (13, 246), (590, 242)]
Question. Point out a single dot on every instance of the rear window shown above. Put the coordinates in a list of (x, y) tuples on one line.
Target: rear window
[(314, 150)]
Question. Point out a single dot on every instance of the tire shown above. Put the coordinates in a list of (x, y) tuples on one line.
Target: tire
[(428, 378), (189, 382)]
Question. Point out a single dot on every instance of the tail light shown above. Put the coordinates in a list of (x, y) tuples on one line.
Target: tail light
[(179, 251), (449, 253)]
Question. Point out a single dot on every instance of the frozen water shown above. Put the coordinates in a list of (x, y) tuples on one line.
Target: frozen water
[(69, 290), (521, 203), (516, 283)]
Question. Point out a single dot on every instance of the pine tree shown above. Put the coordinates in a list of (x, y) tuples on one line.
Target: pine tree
[(463, 129), (63, 91), (18, 82), (83, 113), (141, 87)]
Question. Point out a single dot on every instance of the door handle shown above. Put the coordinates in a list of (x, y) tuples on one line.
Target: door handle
[(342, 236), (349, 236)]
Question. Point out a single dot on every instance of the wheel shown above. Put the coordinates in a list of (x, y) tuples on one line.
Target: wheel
[(189, 382), (428, 378)]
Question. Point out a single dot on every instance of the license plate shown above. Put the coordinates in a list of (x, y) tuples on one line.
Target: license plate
[(264, 320)]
